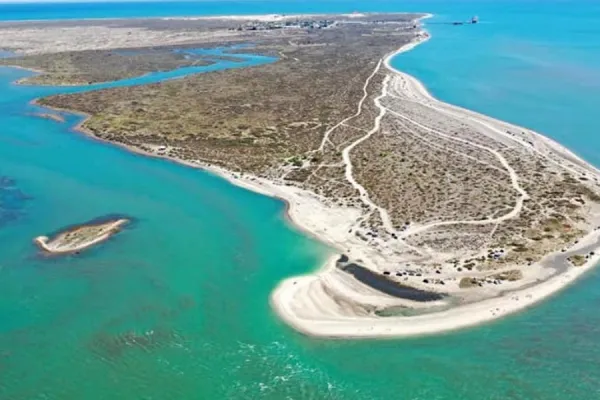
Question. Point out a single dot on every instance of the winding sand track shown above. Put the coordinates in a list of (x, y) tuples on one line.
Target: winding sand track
[(358, 111), (393, 74), (513, 177), (364, 195)]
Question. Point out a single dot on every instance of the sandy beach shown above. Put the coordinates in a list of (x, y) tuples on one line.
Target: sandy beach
[(286, 301)]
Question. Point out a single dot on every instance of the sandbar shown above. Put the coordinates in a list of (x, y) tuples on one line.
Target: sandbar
[(52, 117)]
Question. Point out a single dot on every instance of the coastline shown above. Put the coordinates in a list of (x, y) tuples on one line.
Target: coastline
[(308, 212)]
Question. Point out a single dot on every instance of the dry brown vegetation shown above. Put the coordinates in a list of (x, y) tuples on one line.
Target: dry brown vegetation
[(250, 119)]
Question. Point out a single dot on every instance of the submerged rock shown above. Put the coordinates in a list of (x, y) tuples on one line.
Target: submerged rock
[(12, 201)]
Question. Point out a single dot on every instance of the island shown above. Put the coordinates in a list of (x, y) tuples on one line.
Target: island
[(80, 237), (438, 217)]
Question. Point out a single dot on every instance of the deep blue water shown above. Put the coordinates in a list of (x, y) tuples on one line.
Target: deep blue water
[(203, 256)]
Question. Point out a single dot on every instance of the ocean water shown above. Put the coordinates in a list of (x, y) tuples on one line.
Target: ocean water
[(532, 65), (176, 306)]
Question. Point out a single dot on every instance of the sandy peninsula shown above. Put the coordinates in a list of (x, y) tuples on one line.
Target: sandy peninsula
[(78, 238), (325, 303), (439, 218)]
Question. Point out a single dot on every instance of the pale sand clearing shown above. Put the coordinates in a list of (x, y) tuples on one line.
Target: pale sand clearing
[(79, 238), (29, 40), (56, 39), (261, 18)]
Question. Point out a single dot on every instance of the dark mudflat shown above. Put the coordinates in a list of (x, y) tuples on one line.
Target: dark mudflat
[(387, 286)]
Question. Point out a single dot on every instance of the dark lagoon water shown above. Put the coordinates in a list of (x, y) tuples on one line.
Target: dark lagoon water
[(176, 307)]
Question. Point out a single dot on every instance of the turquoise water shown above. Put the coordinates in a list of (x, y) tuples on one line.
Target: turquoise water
[(176, 307)]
